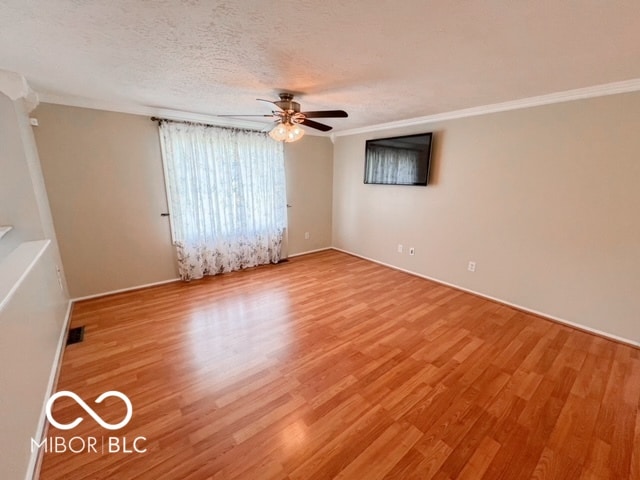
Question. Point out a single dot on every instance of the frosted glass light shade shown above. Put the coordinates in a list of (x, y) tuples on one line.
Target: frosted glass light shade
[(286, 132), (279, 132)]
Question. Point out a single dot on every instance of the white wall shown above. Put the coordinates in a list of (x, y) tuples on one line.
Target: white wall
[(544, 199), (18, 205), (32, 327), (32, 316)]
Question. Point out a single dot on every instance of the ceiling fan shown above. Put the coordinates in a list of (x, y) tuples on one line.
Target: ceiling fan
[(289, 118)]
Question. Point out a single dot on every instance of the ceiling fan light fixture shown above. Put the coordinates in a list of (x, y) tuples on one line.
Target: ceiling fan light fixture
[(279, 132), (288, 118), (286, 132), (295, 133)]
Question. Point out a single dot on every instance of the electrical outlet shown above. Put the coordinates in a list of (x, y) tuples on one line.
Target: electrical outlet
[(412, 251), (307, 236), (472, 266), (399, 248)]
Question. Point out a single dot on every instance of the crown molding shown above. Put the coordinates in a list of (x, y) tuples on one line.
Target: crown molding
[(558, 97), (144, 110)]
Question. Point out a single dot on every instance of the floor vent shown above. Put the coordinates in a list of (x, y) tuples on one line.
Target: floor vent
[(76, 335)]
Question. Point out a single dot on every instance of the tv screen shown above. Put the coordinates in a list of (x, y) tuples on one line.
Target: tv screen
[(398, 160)]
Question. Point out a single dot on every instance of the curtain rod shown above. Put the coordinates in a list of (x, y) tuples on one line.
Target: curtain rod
[(210, 125)]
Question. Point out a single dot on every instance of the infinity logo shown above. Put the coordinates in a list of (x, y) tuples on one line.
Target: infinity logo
[(89, 410)]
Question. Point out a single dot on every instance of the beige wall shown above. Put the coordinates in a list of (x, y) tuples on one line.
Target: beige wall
[(309, 168), (103, 173), (544, 199)]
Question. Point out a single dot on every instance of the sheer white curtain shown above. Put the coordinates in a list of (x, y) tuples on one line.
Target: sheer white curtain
[(227, 198), (392, 165)]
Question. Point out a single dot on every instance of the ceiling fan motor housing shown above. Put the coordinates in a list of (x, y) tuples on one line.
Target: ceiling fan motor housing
[(287, 104)]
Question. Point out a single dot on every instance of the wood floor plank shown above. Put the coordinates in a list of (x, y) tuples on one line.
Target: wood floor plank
[(477, 465), (385, 451), (330, 366)]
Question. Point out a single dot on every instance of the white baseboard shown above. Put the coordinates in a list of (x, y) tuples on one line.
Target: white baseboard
[(123, 290), (577, 326), (33, 470), (310, 251)]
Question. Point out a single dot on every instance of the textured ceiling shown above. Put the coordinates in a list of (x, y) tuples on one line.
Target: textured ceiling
[(381, 61)]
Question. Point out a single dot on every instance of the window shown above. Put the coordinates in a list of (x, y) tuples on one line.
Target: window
[(227, 198)]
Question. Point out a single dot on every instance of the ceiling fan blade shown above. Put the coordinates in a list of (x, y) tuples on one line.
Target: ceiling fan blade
[(268, 101), (326, 114), (318, 126), (240, 115)]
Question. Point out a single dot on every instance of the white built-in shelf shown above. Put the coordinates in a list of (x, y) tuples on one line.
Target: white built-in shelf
[(4, 229), (15, 267)]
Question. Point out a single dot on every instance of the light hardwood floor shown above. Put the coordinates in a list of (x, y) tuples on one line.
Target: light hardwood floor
[(329, 366)]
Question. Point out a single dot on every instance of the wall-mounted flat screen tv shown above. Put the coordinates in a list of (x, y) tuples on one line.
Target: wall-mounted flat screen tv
[(398, 160)]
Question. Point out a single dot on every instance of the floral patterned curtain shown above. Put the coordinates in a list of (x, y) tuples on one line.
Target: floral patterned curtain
[(227, 199)]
